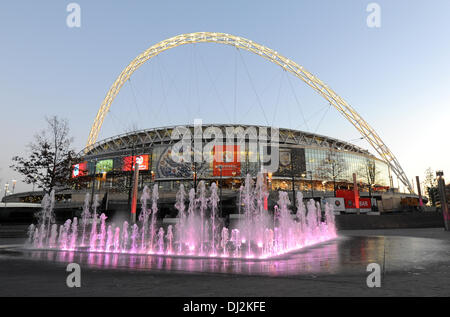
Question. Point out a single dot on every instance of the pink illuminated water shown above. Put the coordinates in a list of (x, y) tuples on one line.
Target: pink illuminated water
[(199, 232)]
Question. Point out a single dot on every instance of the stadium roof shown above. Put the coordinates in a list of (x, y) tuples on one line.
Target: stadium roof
[(144, 139)]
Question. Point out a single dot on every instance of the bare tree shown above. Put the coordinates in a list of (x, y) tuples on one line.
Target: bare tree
[(370, 172), (430, 178), (332, 167), (429, 183), (48, 163)]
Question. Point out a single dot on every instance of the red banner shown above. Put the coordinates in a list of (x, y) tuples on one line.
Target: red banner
[(227, 157), (142, 160), (365, 203), (349, 199), (79, 169)]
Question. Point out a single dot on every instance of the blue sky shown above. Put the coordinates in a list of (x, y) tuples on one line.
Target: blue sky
[(395, 76)]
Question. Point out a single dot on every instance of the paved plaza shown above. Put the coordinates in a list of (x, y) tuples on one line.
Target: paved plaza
[(414, 262)]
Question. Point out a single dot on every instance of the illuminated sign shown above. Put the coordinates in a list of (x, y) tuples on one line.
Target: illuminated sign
[(142, 160), (226, 160), (79, 169), (104, 166)]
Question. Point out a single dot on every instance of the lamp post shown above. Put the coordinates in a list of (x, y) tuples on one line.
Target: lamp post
[(14, 185), (6, 192), (294, 207), (232, 180), (269, 180), (194, 176)]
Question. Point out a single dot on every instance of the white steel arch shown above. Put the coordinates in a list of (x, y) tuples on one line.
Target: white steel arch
[(315, 83)]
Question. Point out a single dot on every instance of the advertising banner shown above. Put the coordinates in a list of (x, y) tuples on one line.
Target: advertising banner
[(292, 162), (226, 157), (365, 203), (349, 199), (79, 169), (337, 203), (104, 166), (165, 167), (142, 160)]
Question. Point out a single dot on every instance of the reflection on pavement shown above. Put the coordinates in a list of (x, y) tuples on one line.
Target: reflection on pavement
[(342, 255)]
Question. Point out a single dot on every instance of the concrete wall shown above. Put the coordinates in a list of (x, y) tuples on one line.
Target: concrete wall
[(390, 221), (17, 214)]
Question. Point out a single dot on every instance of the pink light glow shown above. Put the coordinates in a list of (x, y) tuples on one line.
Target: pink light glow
[(199, 231)]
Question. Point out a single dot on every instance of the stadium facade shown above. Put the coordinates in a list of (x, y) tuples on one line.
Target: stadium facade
[(308, 162), (320, 167)]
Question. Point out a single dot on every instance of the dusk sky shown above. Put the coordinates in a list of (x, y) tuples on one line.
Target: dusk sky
[(396, 76)]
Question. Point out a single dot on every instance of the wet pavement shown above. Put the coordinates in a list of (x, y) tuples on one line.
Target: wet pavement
[(410, 266), (344, 255)]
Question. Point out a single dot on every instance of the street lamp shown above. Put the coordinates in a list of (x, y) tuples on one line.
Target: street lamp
[(153, 176), (293, 184), (6, 192), (323, 186), (194, 175), (269, 178), (14, 185)]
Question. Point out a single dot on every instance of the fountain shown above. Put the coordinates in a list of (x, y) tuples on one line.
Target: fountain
[(199, 231)]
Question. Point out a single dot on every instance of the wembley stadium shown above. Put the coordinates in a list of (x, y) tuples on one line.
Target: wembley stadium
[(321, 167), (300, 153), (306, 163)]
